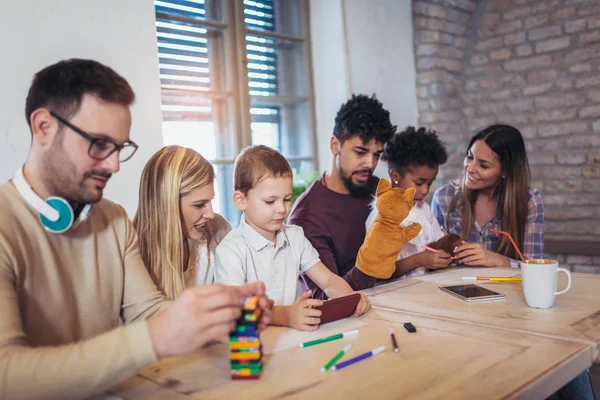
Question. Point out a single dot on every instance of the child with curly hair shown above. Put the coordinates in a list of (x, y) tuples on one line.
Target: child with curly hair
[(414, 157)]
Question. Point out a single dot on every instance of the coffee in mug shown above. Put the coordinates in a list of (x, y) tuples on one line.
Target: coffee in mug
[(540, 278)]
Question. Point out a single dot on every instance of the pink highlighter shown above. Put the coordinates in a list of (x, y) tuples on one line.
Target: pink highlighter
[(432, 249), (429, 248)]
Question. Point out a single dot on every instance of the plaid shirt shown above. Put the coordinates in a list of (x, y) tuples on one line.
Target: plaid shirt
[(533, 245)]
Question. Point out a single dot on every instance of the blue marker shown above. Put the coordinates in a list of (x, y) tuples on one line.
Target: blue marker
[(356, 359)]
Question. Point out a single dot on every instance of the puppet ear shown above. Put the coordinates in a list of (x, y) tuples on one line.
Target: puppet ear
[(409, 194), (383, 186)]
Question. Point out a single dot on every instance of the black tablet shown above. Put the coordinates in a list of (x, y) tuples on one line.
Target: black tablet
[(472, 293)]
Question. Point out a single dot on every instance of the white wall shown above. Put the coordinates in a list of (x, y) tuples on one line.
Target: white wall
[(365, 47), (121, 34), (330, 70)]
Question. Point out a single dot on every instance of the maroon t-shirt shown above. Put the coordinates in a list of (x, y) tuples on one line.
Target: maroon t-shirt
[(335, 225)]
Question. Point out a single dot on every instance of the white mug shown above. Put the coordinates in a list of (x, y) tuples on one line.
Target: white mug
[(540, 278)]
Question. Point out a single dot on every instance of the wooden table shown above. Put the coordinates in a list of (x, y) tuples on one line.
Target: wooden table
[(444, 359), (575, 316)]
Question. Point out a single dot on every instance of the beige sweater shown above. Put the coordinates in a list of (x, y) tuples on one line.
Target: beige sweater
[(64, 299)]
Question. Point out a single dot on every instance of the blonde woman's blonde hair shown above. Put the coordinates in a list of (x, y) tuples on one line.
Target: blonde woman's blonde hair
[(170, 174)]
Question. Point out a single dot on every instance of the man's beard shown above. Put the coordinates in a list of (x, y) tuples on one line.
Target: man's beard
[(59, 175), (356, 190)]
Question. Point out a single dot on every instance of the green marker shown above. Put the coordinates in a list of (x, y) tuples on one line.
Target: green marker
[(335, 358), (329, 338)]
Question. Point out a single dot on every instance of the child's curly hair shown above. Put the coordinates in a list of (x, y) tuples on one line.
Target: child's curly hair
[(414, 148)]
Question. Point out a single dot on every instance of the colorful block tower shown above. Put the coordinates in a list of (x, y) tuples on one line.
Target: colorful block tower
[(244, 343)]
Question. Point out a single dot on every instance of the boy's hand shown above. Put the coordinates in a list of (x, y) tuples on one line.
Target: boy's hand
[(433, 260), (302, 314), (363, 305)]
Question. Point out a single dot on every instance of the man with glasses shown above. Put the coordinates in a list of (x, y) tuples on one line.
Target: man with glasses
[(78, 310)]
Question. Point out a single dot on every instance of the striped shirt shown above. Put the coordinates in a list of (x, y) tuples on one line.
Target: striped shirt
[(533, 243)]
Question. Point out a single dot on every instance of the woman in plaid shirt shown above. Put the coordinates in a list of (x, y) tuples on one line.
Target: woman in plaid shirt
[(493, 193)]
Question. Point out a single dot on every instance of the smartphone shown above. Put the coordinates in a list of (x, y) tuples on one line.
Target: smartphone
[(472, 293), (339, 308)]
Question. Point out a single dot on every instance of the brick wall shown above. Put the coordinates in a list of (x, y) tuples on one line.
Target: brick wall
[(534, 64), (443, 35), (577, 263)]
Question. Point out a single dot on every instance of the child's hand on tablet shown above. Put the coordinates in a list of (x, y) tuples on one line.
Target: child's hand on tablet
[(302, 314), (363, 305)]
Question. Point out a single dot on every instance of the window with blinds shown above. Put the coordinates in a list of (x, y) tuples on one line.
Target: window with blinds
[(234, 73), (183, 59), (262, 56), (262, 71)]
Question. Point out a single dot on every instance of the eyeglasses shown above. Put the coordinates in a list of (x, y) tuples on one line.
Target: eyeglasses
[(101, 149)]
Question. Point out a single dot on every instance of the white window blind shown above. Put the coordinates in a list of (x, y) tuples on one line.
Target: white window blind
[(234, 73)]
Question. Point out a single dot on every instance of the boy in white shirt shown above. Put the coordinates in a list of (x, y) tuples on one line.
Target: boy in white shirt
[(414, 157), (263, 248)]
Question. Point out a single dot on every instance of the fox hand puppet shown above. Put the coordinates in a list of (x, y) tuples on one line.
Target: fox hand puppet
[(391, 230)]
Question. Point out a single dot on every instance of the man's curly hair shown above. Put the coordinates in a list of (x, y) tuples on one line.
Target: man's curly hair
[(365, 117), (414, 148)]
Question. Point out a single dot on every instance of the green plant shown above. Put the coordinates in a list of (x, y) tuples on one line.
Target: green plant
[(300, 185)]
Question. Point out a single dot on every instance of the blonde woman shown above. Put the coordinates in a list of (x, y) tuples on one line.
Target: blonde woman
[(177, 228)]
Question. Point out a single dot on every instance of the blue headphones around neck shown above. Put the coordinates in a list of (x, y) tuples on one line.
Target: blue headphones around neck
[(56, 214)]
